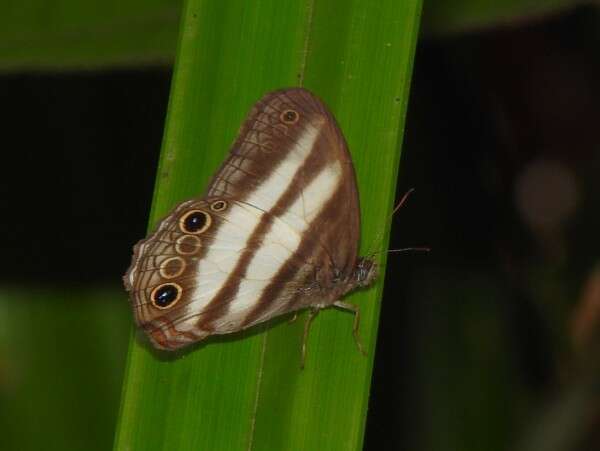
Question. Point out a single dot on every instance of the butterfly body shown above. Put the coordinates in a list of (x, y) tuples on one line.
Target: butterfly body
[(276, 232)]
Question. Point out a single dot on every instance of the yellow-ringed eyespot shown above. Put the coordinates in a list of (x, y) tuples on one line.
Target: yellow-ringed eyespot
[(166, 295), (172, 267), (195, 222), (187, 244), (218, 205), (289, 117)]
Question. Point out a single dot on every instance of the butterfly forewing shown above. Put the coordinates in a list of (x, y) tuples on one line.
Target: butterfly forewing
[(276, 231)]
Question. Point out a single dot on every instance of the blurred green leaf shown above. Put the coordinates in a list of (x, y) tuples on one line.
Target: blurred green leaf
[(71, 34), (62, 356), (442, 17), (463, 370)]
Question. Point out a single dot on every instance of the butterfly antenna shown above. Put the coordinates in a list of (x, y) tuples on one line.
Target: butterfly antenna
[(409, 249), (404, 249), (379, 238)]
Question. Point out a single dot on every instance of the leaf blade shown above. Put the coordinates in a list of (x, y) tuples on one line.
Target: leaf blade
[(246, 391)]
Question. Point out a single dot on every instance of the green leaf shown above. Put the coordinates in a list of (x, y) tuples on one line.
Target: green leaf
[(442, 16), (62, 354), (247, 391), (71, 34)]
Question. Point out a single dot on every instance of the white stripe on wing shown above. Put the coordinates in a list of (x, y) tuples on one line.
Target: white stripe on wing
[(281, 241)]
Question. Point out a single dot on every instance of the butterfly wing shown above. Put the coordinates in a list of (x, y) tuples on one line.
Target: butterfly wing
[(279, 221)]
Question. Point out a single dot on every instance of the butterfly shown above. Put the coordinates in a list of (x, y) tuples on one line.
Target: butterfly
[(276, 232)]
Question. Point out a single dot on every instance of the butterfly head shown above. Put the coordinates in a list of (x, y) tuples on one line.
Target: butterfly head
[(366, 272)]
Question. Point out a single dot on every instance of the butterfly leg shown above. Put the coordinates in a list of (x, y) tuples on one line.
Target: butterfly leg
[(293, 318), (311, 315), (354, 309)]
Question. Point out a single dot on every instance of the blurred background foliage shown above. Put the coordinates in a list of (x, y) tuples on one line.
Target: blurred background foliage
[(489, 342)]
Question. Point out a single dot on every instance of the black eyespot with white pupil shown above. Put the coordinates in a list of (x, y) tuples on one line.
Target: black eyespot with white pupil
[(195, 222), (289, 117), (165, 295)]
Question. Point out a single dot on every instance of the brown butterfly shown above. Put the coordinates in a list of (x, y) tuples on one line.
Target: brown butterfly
[(276, 232)]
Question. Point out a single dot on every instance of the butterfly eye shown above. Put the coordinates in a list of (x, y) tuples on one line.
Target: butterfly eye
[(165, 295), (195, 222), (218, 205), (289, 117)]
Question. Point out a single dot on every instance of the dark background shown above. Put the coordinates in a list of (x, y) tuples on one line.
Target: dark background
[(481, 339)]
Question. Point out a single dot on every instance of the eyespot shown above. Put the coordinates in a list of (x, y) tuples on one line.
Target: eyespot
[(187, 244), (172, 267), (218, 205), (165, 295), (289, 117), (195, 222)]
